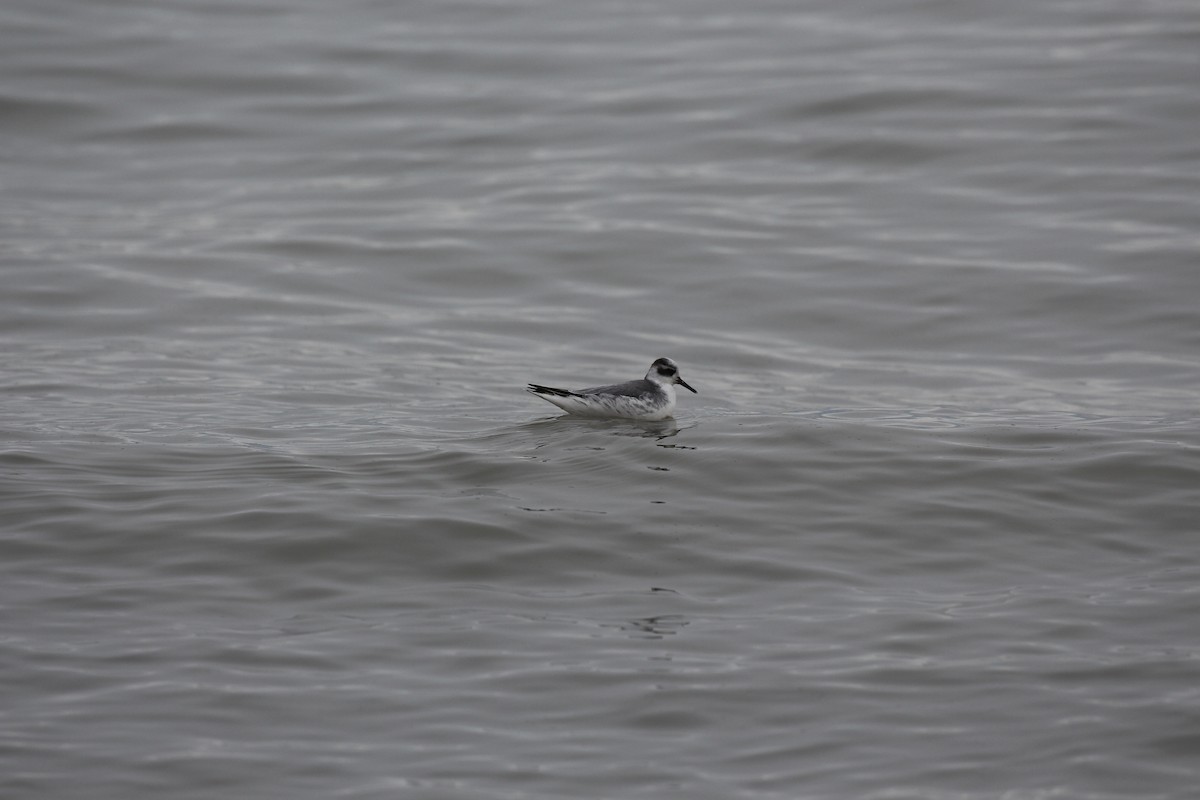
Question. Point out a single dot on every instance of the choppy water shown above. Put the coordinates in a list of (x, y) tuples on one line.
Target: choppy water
[(279, 522)]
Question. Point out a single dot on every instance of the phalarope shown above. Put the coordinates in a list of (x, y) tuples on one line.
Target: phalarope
[(651, 398)]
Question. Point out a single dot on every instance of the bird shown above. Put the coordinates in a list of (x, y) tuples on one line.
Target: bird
[(651, 398)]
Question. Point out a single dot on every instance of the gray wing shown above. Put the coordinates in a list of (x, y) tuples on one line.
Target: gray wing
[(631, 389)]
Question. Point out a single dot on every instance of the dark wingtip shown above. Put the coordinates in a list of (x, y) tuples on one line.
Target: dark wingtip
[(536, 389)]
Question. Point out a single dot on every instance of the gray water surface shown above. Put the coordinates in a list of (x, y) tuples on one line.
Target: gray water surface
[(278, 520)]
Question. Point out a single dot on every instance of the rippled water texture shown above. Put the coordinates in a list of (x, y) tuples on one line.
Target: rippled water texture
[(278, 520)]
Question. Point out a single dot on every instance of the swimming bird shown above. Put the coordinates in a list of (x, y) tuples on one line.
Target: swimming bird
[(651, 398)]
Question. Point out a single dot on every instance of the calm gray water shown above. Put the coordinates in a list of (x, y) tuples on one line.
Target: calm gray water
[(279, 522)]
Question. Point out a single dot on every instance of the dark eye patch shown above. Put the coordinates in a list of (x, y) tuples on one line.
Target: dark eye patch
[(668, 371)]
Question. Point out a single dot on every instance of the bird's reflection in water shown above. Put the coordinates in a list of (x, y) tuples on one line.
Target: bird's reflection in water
[(653, 627), (645, 429), (658, 429)]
